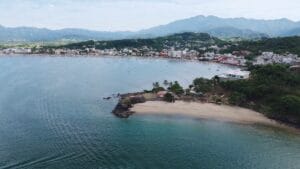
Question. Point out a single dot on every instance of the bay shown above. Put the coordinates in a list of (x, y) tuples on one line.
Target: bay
[(52, 115)]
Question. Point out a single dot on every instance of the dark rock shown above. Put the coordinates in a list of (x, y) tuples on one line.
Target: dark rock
[(137, 99), (121, 110), (125, 103)]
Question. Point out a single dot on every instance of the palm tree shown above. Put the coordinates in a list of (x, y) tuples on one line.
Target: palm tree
[(166, 83), (156, 85)]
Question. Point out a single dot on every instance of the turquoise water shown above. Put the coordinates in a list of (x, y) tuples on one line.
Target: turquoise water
[(52, 116)]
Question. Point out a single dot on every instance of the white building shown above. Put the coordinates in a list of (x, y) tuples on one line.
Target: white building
[(271, 58), (234, 75), (175, 54), (209, 56)]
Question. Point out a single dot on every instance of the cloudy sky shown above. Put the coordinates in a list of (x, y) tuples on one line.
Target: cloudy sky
[(113, 15)]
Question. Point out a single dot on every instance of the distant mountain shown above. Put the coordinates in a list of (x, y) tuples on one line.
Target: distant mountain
[(229, 32), (23, 34), (219, 27), (293, 32)]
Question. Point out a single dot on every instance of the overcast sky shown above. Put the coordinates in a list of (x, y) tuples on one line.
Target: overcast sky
[(113, 15)]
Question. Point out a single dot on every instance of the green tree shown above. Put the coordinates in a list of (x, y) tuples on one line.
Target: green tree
[(237, 98), (166, 83), (157, 87), (202, 85), (288, 104), (176, 88), (169, 98)]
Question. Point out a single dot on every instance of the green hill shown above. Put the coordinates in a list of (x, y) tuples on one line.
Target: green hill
[(277, 45), (179, 41), (194, 41)]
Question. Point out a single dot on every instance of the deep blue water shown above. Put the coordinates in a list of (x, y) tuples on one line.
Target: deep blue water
[(52, 116)]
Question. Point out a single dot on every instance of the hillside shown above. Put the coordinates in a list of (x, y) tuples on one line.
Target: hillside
[(195, 41), (293, 32), (179, 41), (273, 90), (231, 32), (277, 45)]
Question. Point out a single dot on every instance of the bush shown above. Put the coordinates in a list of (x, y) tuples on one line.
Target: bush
[(237, 98), (202, 85), (158, 89), (169, 98), (176, 88), (288, 104)]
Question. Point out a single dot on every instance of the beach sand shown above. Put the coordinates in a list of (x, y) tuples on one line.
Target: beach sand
[(204, 111)]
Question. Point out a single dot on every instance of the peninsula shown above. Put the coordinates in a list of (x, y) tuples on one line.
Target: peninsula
[(270, 96)]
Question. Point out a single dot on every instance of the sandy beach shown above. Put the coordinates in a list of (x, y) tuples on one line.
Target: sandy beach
[(204, 111)]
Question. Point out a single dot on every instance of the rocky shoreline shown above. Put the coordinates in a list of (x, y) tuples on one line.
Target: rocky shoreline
[(131, 102), (127, 101)]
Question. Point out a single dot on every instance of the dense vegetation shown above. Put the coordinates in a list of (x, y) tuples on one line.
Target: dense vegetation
[(277, 45), (173, 87), (272, 89), (179, 41), (169, 98)]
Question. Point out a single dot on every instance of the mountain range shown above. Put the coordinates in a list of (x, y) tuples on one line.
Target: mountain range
[(216, 26)]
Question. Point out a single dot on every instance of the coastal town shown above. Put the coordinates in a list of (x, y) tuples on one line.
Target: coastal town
[(211, 54)]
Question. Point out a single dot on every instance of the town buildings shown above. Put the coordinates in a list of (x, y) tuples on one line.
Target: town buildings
[(271, 58), (236, 58), (224, 58), (16, 51)]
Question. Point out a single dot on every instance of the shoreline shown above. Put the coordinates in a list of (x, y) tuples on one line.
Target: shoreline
[(209, 111), (147, 104), (200, 110), (120, 56)]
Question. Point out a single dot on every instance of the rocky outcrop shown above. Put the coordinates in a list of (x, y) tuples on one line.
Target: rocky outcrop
[(122, 110)]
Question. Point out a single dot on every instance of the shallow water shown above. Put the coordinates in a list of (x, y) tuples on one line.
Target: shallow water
[(52, 116)]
